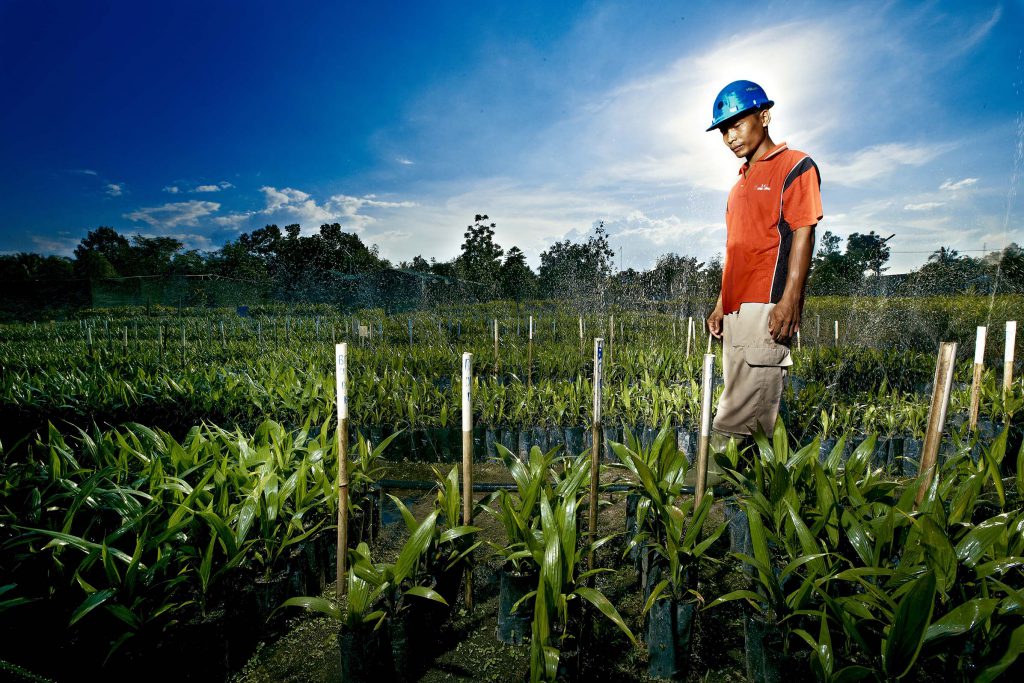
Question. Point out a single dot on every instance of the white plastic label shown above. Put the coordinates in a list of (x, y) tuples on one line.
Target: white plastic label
[(531, 327), (467, 398), (598, 376), (1011, 340), (979, 346), (341, 377)]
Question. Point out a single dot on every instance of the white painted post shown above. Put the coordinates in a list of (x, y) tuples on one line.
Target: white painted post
[(341, 386), (529, 356), (979, 368), (595, 451), (467, 456), (1011, 343)]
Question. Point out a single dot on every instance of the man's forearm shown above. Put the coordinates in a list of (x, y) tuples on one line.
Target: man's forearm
[(799, 263)]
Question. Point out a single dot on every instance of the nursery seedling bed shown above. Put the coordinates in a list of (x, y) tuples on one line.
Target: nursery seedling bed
[(467, 650)]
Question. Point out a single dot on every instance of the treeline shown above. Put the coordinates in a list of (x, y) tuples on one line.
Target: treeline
[(335, 266)]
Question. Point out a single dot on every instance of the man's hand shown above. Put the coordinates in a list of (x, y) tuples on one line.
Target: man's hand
[(784, 320), (715, 320)]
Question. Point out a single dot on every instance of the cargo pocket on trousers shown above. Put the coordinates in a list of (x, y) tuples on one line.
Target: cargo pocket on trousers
[(767, 356)]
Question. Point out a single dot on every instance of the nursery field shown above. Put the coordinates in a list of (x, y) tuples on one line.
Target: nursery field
[(170, 499)]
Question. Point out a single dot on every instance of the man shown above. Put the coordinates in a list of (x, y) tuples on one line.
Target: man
[(770, 219)]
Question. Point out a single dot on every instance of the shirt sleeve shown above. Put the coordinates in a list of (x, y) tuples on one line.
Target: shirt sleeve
[(801, 195)]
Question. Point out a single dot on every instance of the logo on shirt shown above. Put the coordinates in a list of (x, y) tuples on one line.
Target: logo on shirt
[(762, 187)]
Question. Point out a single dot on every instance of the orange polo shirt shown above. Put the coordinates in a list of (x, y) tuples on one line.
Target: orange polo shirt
[(781, 192)]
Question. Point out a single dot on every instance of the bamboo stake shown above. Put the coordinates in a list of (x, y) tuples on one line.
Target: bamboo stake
[(581, 334), (979, 368), (705, 428), (837, 332), (341, 382), (944, 366), (595, 451), (1011, 342), (689, 336), (798, 339), (611, 338), (529, 357), (467, 457), (495, 347)]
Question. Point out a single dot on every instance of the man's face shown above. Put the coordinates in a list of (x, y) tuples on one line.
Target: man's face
[(746, 133)]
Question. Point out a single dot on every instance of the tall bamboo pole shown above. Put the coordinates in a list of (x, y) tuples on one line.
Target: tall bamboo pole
[(595, 452), (495, 347), (705, 428), (467, 456), (341, 381), (979, 368), (936, 416)]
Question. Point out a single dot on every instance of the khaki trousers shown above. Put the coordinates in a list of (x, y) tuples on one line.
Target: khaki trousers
[(753, 370)]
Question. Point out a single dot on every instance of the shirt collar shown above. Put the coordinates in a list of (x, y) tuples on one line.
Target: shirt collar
[(777, 149)]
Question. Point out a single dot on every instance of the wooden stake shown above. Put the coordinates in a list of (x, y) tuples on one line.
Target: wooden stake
[(595, 452), (837, 332), (979, 368), (689, 336), (467, 457), (495, 347), (341, 381), (1011, 342), (705, 428), (936, 416)]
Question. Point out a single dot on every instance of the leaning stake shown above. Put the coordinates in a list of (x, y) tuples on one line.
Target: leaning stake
[(595, 459), (341, 379), (936, 416), (705, 428), (979, 367), (467, 457)]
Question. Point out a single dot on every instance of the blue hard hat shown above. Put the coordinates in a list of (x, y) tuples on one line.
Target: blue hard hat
[(739, 97)]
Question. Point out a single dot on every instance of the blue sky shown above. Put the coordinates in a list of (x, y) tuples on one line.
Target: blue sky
[(402, 120)]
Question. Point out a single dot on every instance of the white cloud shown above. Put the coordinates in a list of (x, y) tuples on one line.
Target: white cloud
[(953, 185), (880, 161), (404, 161), (83, 171), (171, 215), (115, 189), (923, 206), (61, 246), (172, 189), (289, 205), (222, 185), (981, 32)]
